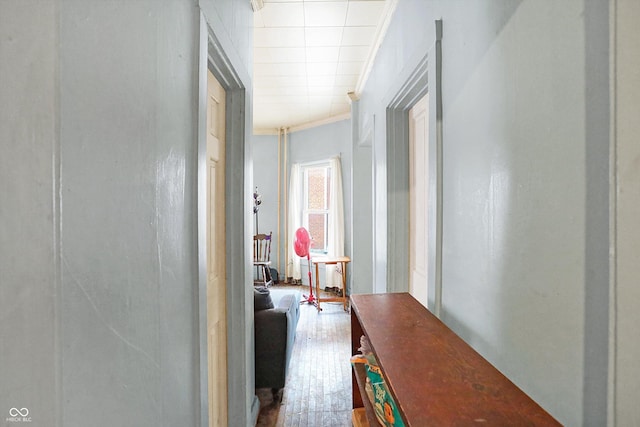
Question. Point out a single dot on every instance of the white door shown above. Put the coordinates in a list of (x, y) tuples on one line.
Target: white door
[(216, 255), (418, 197)]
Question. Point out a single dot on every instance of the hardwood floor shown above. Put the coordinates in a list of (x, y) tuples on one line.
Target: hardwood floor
[(318, 387)]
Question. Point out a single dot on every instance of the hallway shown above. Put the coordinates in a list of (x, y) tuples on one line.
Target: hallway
[(102, 235)]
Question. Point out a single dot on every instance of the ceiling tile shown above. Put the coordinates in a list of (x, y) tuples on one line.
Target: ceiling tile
[(364, 13), (349, 67), (308, 54), (322, 54), (258, 21), (270, 115), (320, 90), (325, 14), (321, 113), (353, 53), (322, 101), (320, 81), (277, 81), (346, 80), (340, 108), (297, 100), (279, 69), (296, 114), (323, 36), (285, 90), (340, 99), (283, 14), (278, 37), (322, 68), (358, 36), (286, 54), (261, 54)]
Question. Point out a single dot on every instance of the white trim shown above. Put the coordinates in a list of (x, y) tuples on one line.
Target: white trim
[(315, 163), (267, 131), (328, 120)]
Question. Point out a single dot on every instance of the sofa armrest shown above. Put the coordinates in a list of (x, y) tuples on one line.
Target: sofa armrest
[(273, 343)]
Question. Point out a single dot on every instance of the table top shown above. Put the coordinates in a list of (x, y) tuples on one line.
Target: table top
[(323, 259), (437, 378)]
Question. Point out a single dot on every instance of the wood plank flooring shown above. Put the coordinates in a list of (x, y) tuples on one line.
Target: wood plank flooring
[(318, 388)]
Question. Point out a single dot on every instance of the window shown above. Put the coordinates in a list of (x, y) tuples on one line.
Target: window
[(315, 211)]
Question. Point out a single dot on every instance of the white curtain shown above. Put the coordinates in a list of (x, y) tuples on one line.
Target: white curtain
[(295, 209), (335, 241)]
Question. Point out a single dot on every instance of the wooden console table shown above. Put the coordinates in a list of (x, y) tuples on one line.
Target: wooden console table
[(343, 260), (435, 378)]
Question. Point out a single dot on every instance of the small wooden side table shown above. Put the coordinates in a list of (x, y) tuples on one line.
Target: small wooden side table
[(343, 260)]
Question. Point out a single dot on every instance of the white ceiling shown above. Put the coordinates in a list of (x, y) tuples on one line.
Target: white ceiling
[(308, 54)]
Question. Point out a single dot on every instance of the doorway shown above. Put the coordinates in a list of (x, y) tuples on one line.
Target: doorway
[(225, 336), (418, 199), (216, 254), (425, 78)]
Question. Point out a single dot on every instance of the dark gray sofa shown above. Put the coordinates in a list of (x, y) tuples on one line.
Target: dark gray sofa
[(275, 332)]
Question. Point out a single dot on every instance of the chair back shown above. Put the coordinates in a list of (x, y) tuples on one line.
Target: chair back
[(262, 248)]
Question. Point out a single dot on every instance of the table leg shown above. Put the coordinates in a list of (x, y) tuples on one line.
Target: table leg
[(344, 286), (318, 288)]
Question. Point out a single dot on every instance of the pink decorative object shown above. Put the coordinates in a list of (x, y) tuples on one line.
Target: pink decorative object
[(302, 242), (301, 245)]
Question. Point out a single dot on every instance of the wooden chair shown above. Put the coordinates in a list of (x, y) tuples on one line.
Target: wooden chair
[(262, 257)]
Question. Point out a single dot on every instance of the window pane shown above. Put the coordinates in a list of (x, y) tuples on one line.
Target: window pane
[(318, 231), (316, 188)]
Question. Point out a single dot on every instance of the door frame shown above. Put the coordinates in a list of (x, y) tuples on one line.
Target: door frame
[(237, 187), (397, 147)]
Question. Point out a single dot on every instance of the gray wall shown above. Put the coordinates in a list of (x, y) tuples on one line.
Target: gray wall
[(98, 245), (362, 205), (265, 177), (28, 211), (525, 234)]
